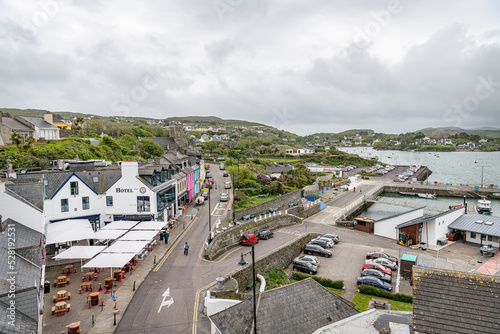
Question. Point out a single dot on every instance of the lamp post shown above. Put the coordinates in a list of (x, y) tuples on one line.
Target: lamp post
[(242, 262), (232, 185), (209, 220)]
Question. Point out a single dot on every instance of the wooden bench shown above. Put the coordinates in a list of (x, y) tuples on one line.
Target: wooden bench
[(380, 304)]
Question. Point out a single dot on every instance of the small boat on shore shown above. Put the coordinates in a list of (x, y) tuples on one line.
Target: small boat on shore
[(427, 196)]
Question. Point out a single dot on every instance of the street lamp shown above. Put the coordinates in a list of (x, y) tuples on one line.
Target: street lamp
[(242, 262), (209, 220), (232, 185)]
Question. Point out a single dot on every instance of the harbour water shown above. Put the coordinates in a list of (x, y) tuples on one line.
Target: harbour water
[(446, 167)]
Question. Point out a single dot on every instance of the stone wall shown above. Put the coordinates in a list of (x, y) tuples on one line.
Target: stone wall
[(280, 202), (278, 258), (223, 242)]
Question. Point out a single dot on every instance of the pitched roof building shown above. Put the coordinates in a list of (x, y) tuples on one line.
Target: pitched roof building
[(300, 307), (446, 301)]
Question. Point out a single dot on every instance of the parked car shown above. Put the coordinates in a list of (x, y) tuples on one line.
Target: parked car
[(370, 280), (205, 195), (311, 249), (208, 175), (224, 197), (322, 243), (305, 266), (249, 238), (334, 237), (385, 262), (379, 267), (265, 235), (378, 274), (222, 167), (225, 174), (227, 185), (375, 255), (313, 259), (329, 242)]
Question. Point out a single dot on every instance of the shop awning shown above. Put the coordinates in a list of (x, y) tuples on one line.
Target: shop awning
[(109, 234), (156, 226), (69, 230), (79, 252), (109, 260), (138, 235), (120, 225), (131, 247)]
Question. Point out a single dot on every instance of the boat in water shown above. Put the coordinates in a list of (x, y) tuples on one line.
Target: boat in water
[(483, 206), (427, 196), (404, 193)]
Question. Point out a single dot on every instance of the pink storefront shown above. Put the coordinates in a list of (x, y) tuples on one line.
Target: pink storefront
[(190, 186)]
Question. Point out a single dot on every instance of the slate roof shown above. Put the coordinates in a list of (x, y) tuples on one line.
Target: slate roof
[(426, 219), (23, 323), (39, 122), (300, 307), (15, 125), (468, 223), (447, 301), (27, 190), (166, 143), (399, 214), (25, 236)]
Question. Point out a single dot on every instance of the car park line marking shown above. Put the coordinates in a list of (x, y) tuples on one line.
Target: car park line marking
[(196, 305), (158, 266), (216, 207)]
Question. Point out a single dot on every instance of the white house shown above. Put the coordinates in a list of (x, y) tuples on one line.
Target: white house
[(479, 229), (387, 227), (43, 127)]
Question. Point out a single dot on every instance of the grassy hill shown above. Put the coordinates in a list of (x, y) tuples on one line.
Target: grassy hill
[(447, 131)]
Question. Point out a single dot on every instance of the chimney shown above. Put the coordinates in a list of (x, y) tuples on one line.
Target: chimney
[(48, 117)]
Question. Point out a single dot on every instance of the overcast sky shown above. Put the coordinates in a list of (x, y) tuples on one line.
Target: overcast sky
[(303, 66)]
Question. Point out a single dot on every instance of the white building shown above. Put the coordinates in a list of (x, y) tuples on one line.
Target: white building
[(387, 227), (479, 229), (43, 128)]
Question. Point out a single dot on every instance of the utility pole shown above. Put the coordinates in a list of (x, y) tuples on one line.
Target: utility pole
[(232, 185), (254, 299), (209, 221)]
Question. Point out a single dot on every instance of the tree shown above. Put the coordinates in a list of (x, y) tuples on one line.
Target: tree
[(77, 126), (17, 139), (149, 148)]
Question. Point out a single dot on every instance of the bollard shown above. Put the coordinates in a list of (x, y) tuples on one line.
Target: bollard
[(134, 287), (114, 321), (154, 261), (92, 321)]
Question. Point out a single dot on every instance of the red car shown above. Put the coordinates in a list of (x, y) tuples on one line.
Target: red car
[(249, 239), (379, 267)]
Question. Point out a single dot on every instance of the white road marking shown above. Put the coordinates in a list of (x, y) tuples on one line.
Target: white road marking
[(167, 303)]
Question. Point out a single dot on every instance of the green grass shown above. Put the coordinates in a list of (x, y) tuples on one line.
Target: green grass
[(335, 291), (286, 161), (361, 301), (254, 201)]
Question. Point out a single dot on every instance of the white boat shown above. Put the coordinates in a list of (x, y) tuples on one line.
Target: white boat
[(427, 196), (483, 206), (436, 155)]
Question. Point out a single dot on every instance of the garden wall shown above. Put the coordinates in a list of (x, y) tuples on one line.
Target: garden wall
[(279, 258), (280, 202), (222, 242)]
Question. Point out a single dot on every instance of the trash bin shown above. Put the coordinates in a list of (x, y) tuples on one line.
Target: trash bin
[(46, 287)]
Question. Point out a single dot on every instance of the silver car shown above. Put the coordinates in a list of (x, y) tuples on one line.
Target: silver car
[(385, 262), (310, 258)]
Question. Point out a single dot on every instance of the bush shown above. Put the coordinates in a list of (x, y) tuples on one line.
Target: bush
[(326, 282), (371, 290)]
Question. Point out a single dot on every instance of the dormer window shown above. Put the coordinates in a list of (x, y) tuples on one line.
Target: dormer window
[(74, 188)]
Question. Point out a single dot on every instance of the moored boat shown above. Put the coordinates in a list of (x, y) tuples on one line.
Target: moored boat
[(407, 193), (483, 206), (427, 196)]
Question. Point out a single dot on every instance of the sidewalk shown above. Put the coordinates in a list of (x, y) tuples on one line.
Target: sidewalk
[(104, 321)]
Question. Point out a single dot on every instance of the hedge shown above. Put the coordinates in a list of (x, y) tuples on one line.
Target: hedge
[(371, 290), (326, 282)]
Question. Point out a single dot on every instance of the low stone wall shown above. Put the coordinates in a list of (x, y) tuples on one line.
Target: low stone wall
[(279, 258), (280, 202), (223, 242)]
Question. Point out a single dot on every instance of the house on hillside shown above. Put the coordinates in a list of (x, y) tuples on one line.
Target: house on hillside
[(276, 171), (43, 128), (10, 125)]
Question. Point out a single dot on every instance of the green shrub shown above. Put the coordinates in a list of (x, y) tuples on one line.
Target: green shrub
[(371, 290), (326, 282)]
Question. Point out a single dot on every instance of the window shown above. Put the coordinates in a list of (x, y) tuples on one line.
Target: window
[(142, 203), (483, 237), (64, 205), (74, 188), (473, 235), (360, 223), (109, 200), (490, 238), (85, 203)]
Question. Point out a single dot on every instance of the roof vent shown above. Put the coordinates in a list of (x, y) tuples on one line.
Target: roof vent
[(479, 221), (488, 223)]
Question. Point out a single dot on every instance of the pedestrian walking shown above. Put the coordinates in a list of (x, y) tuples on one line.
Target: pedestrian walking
[(186, 248), (166, 235), (115, 298)]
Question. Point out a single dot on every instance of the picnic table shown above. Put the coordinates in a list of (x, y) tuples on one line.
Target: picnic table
[(87, 286), (61, 281), (89, 275), (67, 270), (61, 295), (74, 328), (60, 308)]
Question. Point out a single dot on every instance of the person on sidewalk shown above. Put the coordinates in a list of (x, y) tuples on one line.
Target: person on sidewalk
[(165, 236), (354, 189), (115, 299), (186, 248)]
